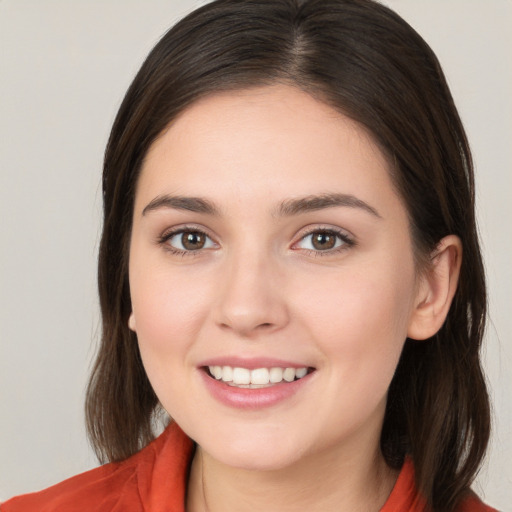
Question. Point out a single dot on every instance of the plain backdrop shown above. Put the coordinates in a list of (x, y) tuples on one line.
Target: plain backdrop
[(64, 68)]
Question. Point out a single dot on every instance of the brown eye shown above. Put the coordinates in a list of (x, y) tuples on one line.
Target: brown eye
[(188, 241), (193, 240), (323, 241)]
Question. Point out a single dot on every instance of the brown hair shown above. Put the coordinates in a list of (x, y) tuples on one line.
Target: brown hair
[(365, 61)]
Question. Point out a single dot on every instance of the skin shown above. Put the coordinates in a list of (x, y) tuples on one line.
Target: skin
[(259, 288)]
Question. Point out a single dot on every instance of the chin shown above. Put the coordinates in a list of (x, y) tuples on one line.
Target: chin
[(254, 452), (257, 460)]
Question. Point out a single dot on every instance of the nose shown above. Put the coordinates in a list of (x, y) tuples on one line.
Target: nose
[(251, 298)]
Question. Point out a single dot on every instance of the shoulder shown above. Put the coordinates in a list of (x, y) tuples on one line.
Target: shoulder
[(473, 504), (405, 496), (96, 489), (115, 486)]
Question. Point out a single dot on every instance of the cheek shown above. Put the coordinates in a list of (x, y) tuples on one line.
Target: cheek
[(169, 308), (359, 319)]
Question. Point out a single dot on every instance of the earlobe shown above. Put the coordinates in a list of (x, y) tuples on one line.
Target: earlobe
[(436, 289), (131, 322)]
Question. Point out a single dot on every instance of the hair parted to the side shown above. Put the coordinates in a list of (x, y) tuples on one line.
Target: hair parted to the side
[(365, 61)]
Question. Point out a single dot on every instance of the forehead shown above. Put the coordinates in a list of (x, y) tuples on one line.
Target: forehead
[(275, 140)]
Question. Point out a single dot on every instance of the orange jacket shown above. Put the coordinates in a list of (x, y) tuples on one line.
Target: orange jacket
[(154, 480)]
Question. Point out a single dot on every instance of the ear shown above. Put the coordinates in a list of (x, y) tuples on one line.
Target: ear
[(131, 322), (436, 289)]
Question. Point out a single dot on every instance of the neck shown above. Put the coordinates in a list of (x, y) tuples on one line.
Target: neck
[(329, 481)]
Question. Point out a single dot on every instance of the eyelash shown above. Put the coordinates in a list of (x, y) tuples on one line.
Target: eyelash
[(164, 239), (347, 241)]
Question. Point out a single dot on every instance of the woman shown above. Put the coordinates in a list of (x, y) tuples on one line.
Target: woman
[(290, 269)]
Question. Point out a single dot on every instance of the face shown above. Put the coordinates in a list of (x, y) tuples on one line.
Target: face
[(272, 278)]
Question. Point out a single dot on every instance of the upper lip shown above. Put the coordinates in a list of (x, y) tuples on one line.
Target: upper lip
[(252, 363)]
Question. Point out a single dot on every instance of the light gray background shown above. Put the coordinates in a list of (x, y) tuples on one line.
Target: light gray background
[(64, 67)]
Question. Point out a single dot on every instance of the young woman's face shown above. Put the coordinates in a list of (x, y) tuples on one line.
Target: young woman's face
[(268, 242)]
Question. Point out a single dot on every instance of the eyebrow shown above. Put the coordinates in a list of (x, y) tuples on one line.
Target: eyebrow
[(287, 208), (320, 202), (191, 204)]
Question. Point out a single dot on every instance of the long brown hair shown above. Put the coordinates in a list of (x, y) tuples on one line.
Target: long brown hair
[(365, 61)]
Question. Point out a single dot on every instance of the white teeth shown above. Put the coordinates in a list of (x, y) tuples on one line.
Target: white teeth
[(301, 372), (217, 372), (227, 373), (241, 376), (276, 375), (289, 374), (258, 377)]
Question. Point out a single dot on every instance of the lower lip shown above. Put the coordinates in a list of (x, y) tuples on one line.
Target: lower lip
[(245, 398)]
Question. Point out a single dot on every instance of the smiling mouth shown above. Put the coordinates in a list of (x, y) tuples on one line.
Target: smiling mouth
[(256, 378)]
